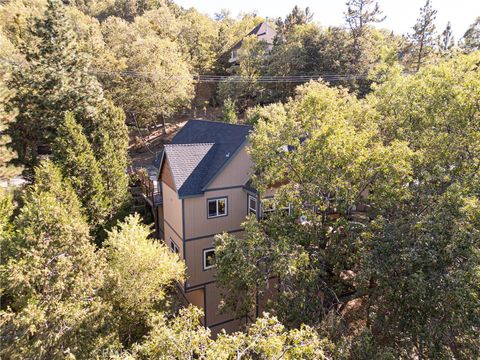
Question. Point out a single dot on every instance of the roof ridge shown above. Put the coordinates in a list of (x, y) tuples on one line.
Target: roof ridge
[(218, 122), (190, 144)]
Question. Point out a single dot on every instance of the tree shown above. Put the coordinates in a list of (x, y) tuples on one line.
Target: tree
[(230, 111), (327, 143), (358, 16), (243, 87), (296, 17), (423, 36), (142, 274), (157, 81), (51, 306), (183, 337), (428, 245), (471, 38), (74, 155), (7, 170), (446, 40), (109, 140), (53, 80)]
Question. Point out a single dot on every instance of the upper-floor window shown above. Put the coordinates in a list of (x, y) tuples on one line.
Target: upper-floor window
[(174, 246), (268, 207), (217, 207), (252, 205), (208, 259)]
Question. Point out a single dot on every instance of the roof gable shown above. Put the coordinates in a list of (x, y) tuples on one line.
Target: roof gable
[(200, 151), (263, 31)]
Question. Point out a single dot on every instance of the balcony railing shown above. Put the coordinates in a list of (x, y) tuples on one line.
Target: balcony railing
[(150, 189)]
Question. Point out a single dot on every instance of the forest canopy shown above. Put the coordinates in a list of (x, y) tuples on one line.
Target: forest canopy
[(374, 240)]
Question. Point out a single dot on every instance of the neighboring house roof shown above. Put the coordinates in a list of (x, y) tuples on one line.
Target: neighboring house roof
[(263, 31), (200, 151)]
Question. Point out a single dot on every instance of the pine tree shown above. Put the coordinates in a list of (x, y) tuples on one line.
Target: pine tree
[(423, 37), (54, 79), (75, 156), (471, 39), (446, 40), (51, 283), (358, 16), (109, 140), (7, 170)]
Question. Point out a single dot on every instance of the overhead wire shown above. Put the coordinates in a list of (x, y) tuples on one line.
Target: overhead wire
[(212, 78)]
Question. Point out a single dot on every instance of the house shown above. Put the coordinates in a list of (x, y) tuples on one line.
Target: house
[(204, 177), (263, 31)]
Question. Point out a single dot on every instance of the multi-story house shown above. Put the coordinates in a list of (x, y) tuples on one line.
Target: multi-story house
[(263, 31), (203, 176)]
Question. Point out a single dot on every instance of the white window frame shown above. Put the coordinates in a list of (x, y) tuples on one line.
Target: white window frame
[(205, 251), (225, 198), (251, 210)]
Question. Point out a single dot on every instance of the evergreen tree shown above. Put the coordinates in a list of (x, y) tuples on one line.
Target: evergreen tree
[(74, 154), (423, 37), (446, 40), (229, 111), (51, 307), (53, 79), (358, 16), (296, 17), (109, 140), (7, 170), (471, 39)]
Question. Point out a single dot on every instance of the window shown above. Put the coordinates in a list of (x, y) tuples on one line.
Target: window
[(174, 246), (217, 207), (267, 207), (252, 205), (208, 259)]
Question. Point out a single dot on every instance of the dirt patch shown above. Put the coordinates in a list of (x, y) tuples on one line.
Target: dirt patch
[(145, 144)]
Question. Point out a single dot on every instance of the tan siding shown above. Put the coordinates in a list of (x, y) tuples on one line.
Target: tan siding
[(213, 301), (197, 223), (237, 172), (194, 261), (197, 298), (229, 327), (169, 236), (172, 208), (166, 174)]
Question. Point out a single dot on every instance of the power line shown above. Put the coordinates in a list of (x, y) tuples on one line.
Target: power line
[(209, 78)]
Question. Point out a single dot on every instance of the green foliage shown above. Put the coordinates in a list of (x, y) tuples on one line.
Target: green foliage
[(430, 244), (471, 38), (7, 170), (142, 273), (75, 156), (387, 189), (335, 154), (296, 17), (161, 84), (110, 144), (50, 302), (53, 80), (182, 337), (230, 111), (423, 36)]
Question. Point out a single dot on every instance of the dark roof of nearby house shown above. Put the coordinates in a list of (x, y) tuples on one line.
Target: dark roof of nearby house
[(263, 31), (199, 152)]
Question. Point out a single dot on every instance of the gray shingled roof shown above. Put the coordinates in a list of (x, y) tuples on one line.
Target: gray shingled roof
[(184, 159), (200, 150), (263, 33)]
